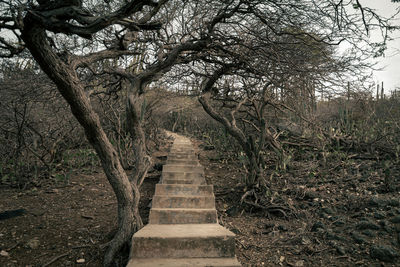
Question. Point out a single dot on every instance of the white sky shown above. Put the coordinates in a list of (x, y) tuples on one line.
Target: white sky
[(390, 75)]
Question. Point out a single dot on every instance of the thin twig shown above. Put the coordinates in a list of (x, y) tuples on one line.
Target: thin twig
[(11, 248), (55, 259)]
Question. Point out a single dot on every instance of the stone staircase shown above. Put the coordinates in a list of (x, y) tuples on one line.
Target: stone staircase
[(183, 229)]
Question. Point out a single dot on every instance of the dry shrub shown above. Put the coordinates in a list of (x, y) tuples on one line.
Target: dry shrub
[(36, 126)]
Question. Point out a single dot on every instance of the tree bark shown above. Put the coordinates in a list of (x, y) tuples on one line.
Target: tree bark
[(233, 130), (71, 89), (135, 112), (250, 147)]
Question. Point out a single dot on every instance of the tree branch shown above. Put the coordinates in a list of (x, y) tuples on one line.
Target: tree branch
[(56, 20), (79, 61)]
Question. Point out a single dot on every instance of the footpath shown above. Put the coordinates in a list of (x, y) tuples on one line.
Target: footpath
[(183, 227)]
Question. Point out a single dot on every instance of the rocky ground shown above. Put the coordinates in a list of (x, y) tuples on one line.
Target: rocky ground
[(344, 216), (345, 213)]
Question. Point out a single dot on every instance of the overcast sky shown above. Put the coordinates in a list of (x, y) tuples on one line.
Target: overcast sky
[(391, 62)]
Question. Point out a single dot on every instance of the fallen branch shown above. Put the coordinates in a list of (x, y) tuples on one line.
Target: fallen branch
[(55, 259), (11, 248)]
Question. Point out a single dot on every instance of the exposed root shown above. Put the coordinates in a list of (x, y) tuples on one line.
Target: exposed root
[(253, 199), (122, 237), (124, 234)]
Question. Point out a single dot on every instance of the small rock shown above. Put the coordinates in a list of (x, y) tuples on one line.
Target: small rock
[(376, 202), (371, 188), (235, 231), (316, 226), (333, 218), (383, 253), (389, 229), (4, 253), (332, 243), (325, 216), (282, 259), (358, 238), (383, 223), (327, 211), (390, 213), (299, 263), (332, 236), (80, 261), (359, 215), (282, 228), (232, 211), (305, 241), (364, 225), (208, 147), (341, 250), (362, 218), (382, 234), (369, 233), (33, 243), (310, 195), (394, 203), (340, 222), (379, 215), (269, 225), (395, 219)]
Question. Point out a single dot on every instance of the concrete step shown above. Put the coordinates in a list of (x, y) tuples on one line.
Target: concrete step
[(184, 190), (191, 202), (183, 181), (182, 152), (182, 149), (184, 146), (182, 162), (183, 241), (187, 262), (182, 175), (179, 155), (182, 216), (183, 168)]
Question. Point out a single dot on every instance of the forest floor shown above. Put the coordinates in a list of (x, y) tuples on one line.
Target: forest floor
[(344, 213)]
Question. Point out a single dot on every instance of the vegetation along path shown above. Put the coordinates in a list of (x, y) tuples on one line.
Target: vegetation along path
[(183, 229)]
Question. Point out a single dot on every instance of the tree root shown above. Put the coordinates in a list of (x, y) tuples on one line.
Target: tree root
[(124, 234), (271, 208)]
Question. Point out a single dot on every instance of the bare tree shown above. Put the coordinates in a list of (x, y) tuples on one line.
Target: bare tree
[(35, 126), (84, 46), (273, 57)]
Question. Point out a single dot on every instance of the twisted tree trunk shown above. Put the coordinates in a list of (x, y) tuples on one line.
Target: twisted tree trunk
[(72, 90), (135, 113)]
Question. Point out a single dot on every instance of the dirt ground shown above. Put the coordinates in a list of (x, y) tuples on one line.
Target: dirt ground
[(339, 215)]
